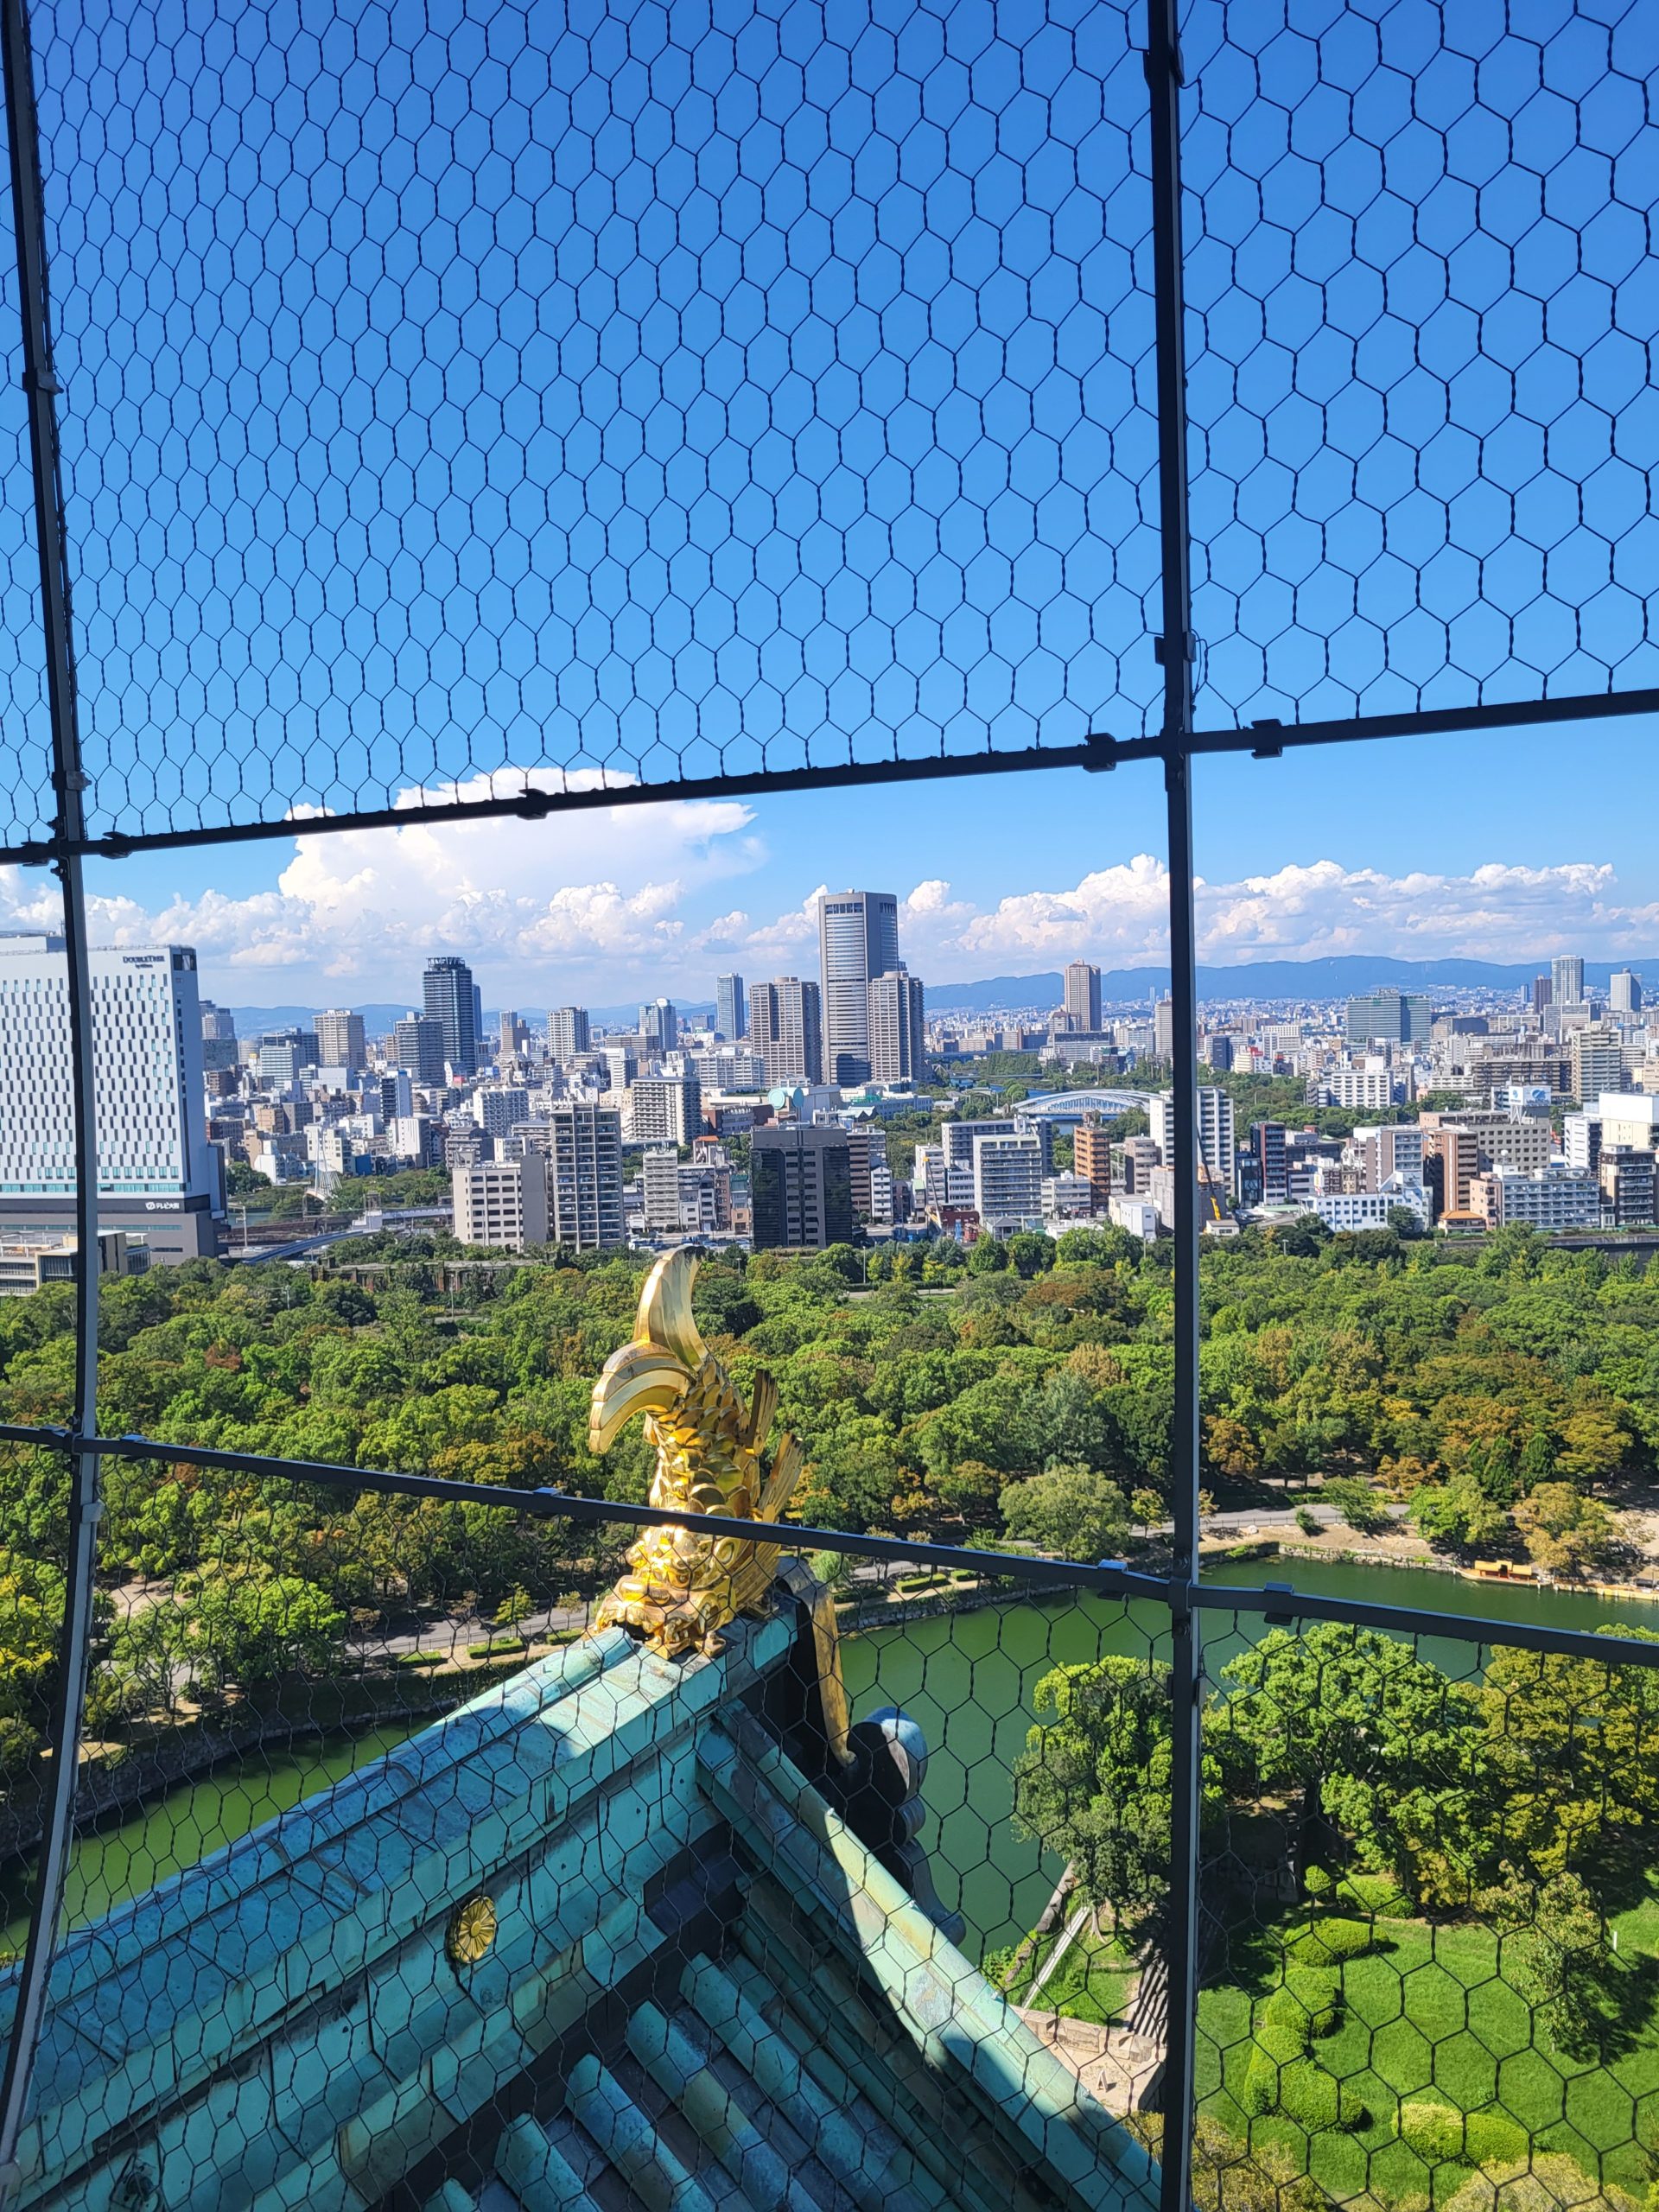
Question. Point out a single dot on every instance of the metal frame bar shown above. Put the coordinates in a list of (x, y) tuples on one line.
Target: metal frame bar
[(1281, 1602), (75, 1650), (1175, 650), (1095, 754), (1112, 1578)]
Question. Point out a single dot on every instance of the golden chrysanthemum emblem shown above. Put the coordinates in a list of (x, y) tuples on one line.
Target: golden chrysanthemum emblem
[(472, 1931)]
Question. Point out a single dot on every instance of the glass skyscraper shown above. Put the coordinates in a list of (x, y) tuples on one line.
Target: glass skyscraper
[(449, 1001), (858, 940)]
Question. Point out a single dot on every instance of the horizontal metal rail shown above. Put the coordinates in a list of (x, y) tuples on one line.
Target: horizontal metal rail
[(1276, 1602), (534, 805), (1263, 740), (1281, 1603), (1111, 1576)]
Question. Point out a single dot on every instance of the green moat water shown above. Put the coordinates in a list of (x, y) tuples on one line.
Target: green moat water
[(968, 1678)]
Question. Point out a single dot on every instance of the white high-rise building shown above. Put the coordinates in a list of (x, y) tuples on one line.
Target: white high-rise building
[(499, 1107), (156, 1170), (340, 1041), (1624, 991), (502, 1202), (858, 940), (584, 1176), (568, 1032), (1598, 1061), (1370, 1089), (1387, 1148), (1545, 1198), (1008, 1174), (1566, 980), (1218, 1146), (664, 1108)]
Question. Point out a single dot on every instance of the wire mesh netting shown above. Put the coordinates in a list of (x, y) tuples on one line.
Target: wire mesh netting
[(459, 399), (1422, 302), (33, 1560), (458, 403), (563, 1908), (1429, 1918)]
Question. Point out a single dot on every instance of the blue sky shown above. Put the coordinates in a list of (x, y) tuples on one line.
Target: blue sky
[(1507, 846), (740, 383)]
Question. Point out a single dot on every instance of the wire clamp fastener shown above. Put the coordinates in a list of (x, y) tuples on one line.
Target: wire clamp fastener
[(1280, 1589), (1177, 67)]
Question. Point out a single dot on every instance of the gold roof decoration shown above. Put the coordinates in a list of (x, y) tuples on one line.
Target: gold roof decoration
[(686, 1587)]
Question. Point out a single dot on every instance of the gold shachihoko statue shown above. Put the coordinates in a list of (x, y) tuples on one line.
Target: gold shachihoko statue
[(684, 1588)]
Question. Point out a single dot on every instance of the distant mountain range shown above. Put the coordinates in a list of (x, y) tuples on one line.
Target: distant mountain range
[(1344, 976)]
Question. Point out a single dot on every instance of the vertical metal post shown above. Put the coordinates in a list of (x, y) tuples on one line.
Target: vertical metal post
[(41, 386), (1164, 78)]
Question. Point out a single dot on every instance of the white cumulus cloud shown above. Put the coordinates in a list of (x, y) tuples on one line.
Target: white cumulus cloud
[(601, 905)]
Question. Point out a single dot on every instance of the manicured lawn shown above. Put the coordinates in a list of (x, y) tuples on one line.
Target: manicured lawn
[(1431, 2020), (1089, 1983)]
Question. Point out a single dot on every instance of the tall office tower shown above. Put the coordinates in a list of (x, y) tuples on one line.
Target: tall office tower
[(858, 940), (1091, 1157), (1389, 1017), (1217, 1147), (341, 1042), (1624, 991), (1082, 994), (1163, 1029), (896, 1028), (157, 1172), (787, 1029), (514, 1034), (800, 1186), (584, 1176), (659, 1025), (731, 1008), (217, 1021), (567, 1032), (1567, 979), (417, 1047), (449, 1001), (478, 1023), (1541, 993)]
